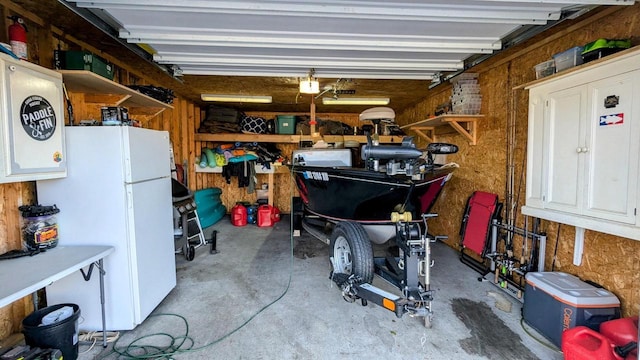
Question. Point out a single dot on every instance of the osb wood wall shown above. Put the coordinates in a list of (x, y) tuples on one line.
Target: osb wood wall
[(284, 188), (43, 39), (610, 261)]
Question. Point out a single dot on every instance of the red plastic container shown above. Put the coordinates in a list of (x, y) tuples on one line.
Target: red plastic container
[(581, 343), (239, 215), (621, 332), (267, 215)]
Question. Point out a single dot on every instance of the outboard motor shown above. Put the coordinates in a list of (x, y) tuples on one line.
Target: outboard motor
[(400, 159), (439, 149), (404, 159), (406, 151)]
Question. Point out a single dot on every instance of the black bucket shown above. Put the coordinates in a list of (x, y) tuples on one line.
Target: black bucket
[(62, 335)]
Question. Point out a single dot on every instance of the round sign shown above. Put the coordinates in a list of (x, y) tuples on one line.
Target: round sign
[(38, 118)]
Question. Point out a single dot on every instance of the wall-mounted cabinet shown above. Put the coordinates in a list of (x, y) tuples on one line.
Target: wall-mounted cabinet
[(465, 125), (31, 122), (92, 91), (584, 147)]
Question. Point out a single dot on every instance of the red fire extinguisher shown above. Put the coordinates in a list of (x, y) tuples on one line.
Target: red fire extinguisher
[(18, 37)]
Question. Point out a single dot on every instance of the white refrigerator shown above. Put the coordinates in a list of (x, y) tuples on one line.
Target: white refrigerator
[(117, 192)]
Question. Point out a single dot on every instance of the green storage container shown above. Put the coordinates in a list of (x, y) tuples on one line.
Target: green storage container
[(83, 60), (286, 124)]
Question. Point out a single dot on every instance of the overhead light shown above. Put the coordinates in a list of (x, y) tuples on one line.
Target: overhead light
[(236, 98), (311, 84), (355, 101)]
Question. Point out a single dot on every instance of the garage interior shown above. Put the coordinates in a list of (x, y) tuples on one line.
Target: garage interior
[(411, 53)]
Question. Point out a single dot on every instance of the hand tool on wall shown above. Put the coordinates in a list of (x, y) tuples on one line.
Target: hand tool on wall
[(69, 104)]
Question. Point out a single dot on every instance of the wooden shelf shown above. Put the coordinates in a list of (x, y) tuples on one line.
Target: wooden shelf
[(218, 169), (100, 90), (290, 139), (274, 169), (465, 125)]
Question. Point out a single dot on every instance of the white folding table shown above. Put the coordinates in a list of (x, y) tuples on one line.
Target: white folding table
[(23, 276)]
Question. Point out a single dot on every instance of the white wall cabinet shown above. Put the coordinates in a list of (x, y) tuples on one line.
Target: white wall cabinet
[(31, 122), (584, 147)]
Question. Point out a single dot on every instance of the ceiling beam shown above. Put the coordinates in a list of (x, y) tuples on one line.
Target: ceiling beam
[(529, 12), (301, 72)]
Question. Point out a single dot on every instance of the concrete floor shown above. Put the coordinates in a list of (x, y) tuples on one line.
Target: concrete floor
[(260, 299)]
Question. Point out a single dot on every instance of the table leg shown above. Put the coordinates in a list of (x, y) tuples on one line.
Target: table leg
[(104, 322)]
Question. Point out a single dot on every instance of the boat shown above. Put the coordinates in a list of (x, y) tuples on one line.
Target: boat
[(395, 179), (389, 199)]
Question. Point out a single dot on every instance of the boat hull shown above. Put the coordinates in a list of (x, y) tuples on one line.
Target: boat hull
[(352, 194)]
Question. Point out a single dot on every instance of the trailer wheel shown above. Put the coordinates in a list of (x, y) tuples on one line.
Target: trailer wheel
[(189, 252), (351, 251)]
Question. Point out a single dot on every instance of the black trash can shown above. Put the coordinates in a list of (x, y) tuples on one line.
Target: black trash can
[(62, 335)]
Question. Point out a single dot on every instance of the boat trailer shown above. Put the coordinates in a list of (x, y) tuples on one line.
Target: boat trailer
[(409, 271)]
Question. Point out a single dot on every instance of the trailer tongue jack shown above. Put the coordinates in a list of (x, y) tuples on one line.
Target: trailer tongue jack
[(409, 272)]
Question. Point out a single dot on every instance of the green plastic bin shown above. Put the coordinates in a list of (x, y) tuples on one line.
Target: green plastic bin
[(286, 124)]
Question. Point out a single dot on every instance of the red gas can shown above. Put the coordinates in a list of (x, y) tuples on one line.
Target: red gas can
[(266, 216), (239, 215), (621, 332), (581, 343)]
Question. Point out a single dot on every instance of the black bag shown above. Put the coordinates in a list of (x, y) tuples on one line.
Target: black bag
[(222, 114)]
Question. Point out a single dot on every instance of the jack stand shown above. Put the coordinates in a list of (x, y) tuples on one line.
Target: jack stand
[(213, 241)]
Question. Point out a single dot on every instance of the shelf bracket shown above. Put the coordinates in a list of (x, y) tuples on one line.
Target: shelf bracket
[(469, 132), (426, 132), (463, 124)]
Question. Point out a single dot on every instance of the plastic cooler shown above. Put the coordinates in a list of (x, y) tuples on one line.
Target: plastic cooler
[(555, 302)]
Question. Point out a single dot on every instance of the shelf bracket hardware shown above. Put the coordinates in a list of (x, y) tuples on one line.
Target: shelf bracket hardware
[(426, 132), (468, 131), (87, 275), (465, 125)]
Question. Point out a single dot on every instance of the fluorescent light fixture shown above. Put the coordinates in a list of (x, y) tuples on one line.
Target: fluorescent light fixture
[(236, 98), (355, 101), (309, 87)]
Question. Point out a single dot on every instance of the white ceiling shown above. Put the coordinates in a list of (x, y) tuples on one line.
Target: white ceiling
[(380, 39)]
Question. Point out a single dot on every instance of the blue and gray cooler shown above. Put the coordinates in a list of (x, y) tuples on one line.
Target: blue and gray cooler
[(556, 301)]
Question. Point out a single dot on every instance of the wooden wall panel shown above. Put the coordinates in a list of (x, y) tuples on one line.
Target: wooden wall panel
[(13, 195), (43, 37), (608, 260)]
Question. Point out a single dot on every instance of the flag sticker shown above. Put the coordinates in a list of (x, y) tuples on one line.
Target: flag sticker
[(612, 119)]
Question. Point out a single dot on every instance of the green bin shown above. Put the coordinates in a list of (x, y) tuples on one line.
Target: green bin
[(83, 60), (286, 124)]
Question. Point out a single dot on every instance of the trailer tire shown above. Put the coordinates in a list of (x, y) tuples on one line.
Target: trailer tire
[(351, 251)]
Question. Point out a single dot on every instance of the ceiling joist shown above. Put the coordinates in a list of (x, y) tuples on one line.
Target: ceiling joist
[(377, 38)]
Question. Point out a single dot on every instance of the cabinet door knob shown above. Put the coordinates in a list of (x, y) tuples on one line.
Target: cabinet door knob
[(585, 149), (579, 150)]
